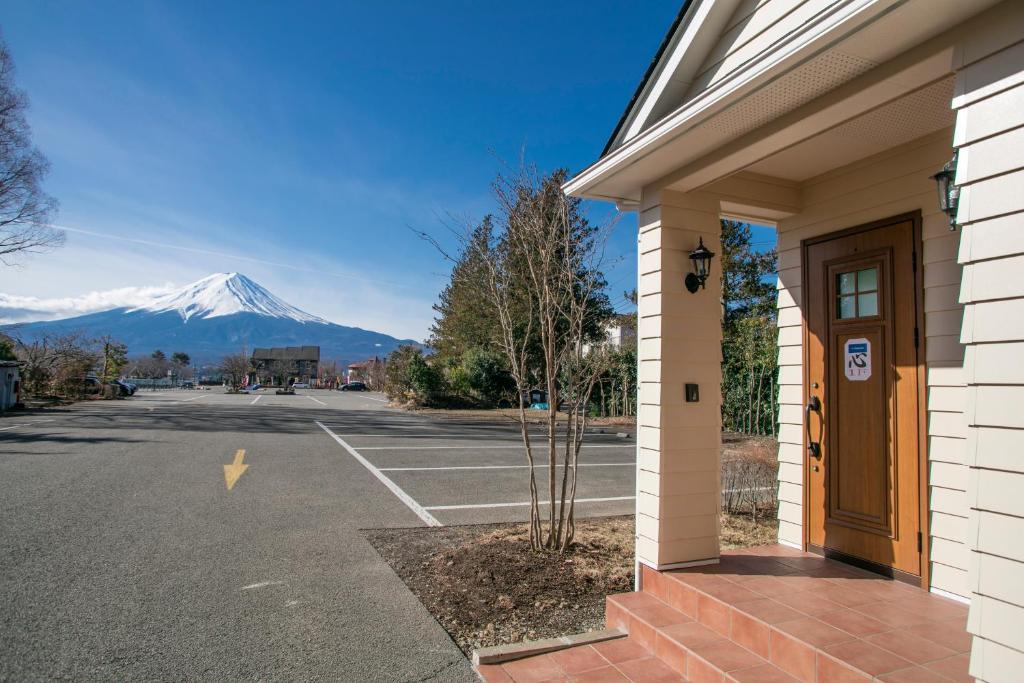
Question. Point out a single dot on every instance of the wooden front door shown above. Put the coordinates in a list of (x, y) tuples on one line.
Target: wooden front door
[(862, 394)]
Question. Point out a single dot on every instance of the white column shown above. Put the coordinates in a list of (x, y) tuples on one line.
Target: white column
[(680, 334)]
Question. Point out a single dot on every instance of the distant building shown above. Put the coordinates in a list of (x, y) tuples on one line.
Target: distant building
[(299, 363), (617, 334), (366, 371)]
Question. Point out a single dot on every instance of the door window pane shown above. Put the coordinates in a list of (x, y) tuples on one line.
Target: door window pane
[(867, 280), (846, 307), (867, 304), (846, 283), (857, 294)]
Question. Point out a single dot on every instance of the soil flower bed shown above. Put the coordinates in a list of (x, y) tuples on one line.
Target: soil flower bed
[(485, 587)]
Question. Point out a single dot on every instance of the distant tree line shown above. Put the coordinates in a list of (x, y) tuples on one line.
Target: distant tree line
[(60, 364), (157, 365)]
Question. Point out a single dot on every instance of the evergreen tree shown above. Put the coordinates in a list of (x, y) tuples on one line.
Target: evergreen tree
[(749, 354), (114, 358), (6, 348), (466, 320)]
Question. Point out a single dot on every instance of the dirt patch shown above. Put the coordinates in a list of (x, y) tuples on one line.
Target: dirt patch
[(484, 585)]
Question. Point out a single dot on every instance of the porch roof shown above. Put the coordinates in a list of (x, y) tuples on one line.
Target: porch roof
[(826, 71)]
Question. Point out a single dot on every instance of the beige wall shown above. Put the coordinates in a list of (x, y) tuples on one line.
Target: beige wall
[(990, 113), (885, 185), (679, 341)]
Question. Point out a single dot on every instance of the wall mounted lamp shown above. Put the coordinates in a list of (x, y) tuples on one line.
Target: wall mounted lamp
[(949, 193), (700, 259)]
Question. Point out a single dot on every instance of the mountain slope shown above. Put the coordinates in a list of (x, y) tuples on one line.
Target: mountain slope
[(216, 316)]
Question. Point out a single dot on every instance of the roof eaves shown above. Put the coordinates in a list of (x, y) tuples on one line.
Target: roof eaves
[(652, 67)]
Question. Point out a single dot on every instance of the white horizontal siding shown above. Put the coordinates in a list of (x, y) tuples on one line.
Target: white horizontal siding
[(990, 112)]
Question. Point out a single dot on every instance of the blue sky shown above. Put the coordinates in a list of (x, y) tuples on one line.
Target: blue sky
[(309, 134)]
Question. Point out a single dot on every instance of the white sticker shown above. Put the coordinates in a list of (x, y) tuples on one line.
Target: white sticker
[(858, 359)]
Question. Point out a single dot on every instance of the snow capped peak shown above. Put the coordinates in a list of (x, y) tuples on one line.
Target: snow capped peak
[(225, 294)]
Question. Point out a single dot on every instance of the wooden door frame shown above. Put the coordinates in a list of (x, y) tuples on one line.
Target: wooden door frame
[(914, 217)]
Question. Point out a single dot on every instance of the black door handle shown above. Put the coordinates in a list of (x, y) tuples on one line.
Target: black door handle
[(813, 404)]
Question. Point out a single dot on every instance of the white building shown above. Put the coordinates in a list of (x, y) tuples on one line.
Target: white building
[(9, 384), (901, 339)]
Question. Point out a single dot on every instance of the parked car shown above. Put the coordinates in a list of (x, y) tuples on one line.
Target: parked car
[(353, 386), (127, 389), (251, 388), (92, 385), (300, 385)]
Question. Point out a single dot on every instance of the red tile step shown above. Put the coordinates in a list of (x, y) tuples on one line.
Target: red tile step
[(791, 616), (697, 652), (622, 660)]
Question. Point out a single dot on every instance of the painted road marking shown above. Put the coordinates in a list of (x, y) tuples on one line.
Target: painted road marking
[(235, 470), (503, 467), (256, 399), (480, 448), (420, 511), (526, 504), (261, 584), (380, 400), (194, 398), (317, 400), (24, 424)]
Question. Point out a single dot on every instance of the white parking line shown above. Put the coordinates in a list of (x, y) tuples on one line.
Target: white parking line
[(526, 504), (420, 511), (381, 400), (24, 424), (256, 399), (502, 467), (317, 400), (194, 398), (518, 444)]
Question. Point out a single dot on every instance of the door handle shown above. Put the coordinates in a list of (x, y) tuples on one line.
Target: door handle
[(813, 405)]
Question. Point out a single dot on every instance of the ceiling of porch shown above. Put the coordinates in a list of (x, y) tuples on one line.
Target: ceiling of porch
[(914, 115)]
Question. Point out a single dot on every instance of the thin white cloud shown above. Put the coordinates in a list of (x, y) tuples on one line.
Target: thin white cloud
[(14, 308)]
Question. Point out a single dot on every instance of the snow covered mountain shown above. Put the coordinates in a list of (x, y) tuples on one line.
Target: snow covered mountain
[(215, 316), (226, 294)]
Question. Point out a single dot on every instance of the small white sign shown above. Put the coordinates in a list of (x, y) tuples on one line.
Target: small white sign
[(858, 359)]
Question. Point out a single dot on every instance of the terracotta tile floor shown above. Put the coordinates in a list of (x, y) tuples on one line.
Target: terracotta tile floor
[(613, 660), (848, 616), (810, 616)]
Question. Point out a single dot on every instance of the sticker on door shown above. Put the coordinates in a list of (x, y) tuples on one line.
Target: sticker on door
[(857, 359)]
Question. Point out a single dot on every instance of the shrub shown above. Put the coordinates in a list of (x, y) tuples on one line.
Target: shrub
[(486, 375)]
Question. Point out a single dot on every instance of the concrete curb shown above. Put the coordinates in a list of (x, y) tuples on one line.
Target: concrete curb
[(506, 653)]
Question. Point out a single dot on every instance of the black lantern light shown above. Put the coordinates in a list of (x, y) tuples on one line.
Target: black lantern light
[(949, 193), (700, 258)]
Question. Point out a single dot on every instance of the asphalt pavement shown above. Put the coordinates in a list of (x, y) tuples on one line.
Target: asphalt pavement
[(124, 556)]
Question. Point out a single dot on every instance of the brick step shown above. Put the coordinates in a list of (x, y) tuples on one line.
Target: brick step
[(693, 650), (623, 660), (806, 617)]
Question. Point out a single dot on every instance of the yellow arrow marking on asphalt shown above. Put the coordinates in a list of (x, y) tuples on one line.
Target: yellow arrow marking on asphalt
[(233, 471)]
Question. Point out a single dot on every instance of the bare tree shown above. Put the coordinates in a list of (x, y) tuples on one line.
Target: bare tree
[(376, 374), (236, 369), (57, 364), (25, 210), (544, 281), (282, 370)]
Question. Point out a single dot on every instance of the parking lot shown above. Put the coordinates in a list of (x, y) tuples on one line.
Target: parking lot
[(455, 472), (123, 549)]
